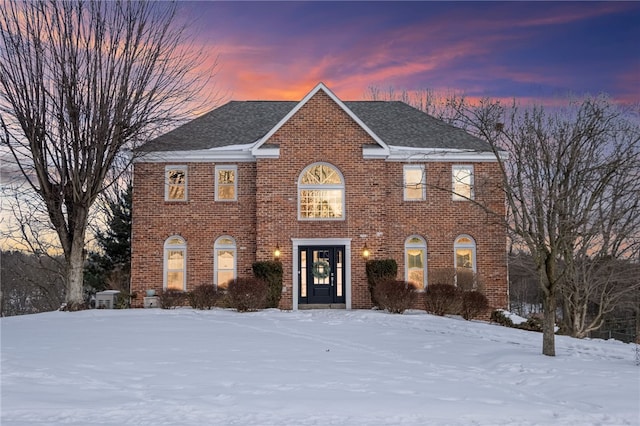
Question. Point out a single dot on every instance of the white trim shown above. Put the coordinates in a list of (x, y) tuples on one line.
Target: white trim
[(401, 153), (235, 183), (346, 242), (325, 89), (197, 156)]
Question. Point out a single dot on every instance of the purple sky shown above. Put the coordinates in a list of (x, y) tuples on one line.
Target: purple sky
[(539, 51)]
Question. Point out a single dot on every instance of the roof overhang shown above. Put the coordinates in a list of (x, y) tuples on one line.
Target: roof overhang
[(408, 154)]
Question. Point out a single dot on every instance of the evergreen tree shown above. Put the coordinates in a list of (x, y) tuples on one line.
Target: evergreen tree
[(110, 268)]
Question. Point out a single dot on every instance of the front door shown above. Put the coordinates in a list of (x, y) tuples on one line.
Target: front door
[(321, 274)]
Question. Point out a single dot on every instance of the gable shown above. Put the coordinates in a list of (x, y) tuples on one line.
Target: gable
[(320, 88)]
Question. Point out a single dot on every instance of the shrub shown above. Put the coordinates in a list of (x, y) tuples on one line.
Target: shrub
[(499, 317), (531, 324), (247, 294), (379, 271), (394, 295), (170, 299), (270, 272), (473, 304), (441, 299), (203, 296)]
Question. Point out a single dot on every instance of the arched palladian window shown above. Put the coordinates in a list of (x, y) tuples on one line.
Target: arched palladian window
[(175, 263), (321, 193), (224, 261), (415, 261), (465, 261)]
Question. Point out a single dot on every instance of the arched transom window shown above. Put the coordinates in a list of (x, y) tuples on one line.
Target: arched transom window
[(175, 262), (415, 261), (321, 193)]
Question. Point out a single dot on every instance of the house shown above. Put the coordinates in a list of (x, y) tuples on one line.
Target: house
[(318, 183)]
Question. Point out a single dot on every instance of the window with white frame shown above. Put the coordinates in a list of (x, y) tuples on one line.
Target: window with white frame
[(321, 193), (175, 262), (414, 185), (226, 183), (175, 183), (415, 261), (224, 261), (462, 182), (465, 261)]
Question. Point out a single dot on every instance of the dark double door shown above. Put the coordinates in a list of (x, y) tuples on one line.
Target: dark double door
[(321, 274)]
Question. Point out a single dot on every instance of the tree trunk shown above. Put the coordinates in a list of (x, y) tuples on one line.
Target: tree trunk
[(75, 277), (549, 324)]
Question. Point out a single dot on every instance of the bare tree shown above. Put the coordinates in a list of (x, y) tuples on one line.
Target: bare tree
[(569, 177), (79, 83)]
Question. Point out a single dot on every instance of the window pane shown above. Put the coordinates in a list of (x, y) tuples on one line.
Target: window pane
[(175, 280), (415, 258), (175, 259), (225, 259), (176, 180), (416, 277), (413, 183), (224, 277), (321, 174), (303, 274), (226, 177), (321, 203), (462, 182), (464, 258), (226, 192)]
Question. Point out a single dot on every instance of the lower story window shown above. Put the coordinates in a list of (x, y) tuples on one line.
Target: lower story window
[(175, 254), (465, 262), (224, 261), (415, 261)]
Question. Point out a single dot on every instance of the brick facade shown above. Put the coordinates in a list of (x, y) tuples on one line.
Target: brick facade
[(266, 212)]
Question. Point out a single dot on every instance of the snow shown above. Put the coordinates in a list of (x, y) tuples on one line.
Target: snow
[(324, 367)]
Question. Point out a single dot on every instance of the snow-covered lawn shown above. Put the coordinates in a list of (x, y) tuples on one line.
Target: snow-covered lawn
[(187, 367)]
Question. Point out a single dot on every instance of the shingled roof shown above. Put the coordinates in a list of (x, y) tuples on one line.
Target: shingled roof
[(246, 122)]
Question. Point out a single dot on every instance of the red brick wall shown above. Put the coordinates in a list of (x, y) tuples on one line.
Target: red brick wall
[(267, 209)]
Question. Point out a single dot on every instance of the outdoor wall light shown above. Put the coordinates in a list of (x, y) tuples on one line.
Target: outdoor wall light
[(276, 253), (365, 252)]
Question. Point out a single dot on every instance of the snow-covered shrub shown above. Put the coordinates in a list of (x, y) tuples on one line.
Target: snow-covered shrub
[(203, 296), (394, 295), (498, 316), (170, 299), (247, 294), (441, 299), (474, 303)]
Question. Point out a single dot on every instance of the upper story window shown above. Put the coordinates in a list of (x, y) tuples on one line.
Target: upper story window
[(465, 261), (175, 256), (175, 183), (321, 193), (415, 261), (462, 182), (224, 261), (414, 183), (226, 183)]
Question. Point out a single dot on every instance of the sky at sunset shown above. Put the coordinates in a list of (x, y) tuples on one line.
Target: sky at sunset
[(528, 50)]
